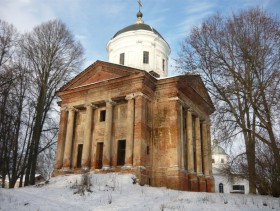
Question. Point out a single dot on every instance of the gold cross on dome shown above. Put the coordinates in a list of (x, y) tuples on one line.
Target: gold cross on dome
[(140, 4)]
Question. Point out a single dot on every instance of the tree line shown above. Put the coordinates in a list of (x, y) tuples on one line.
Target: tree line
[(238, 58), (33, 66)]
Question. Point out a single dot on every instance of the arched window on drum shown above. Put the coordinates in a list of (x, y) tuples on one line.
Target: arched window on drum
[(221, 188)]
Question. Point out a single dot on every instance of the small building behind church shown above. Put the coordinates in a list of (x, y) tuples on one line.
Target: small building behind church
[(127, 115), (224, 183)]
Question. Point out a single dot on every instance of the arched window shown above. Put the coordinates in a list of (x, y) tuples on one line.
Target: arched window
[(221, 188)]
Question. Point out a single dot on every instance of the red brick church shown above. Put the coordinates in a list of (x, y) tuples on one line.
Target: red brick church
[(127, 115)]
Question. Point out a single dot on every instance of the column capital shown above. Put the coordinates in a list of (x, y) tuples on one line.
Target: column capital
[(130, 96), (110, 101), (202, 120), (91, 105), (140, 94), (63, 108), (191, 110), (73, 109)]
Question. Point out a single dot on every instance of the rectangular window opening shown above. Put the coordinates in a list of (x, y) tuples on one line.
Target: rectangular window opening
[(163, 65), (238, 187), (122, 58), (145, 57), (102, 116)]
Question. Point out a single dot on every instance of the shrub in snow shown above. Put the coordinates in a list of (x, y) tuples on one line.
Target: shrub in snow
[(83, 186), (110, 198), (134, 180)]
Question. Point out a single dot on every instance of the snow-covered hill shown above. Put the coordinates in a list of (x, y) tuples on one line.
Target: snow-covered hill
[(117, 192)]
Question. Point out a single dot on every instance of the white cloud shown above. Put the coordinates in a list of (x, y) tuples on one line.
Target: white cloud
[(25, 14), (196, 7)]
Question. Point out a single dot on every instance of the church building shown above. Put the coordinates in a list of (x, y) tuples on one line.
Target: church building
[(127, 115)]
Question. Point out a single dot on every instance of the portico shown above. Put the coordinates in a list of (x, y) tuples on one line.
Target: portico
[(116, 118)]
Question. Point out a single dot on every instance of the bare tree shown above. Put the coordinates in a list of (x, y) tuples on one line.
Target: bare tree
[(52, 55), (8, 40), (238, 58), (8, 110)]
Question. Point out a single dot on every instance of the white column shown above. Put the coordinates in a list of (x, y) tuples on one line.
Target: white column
[(108, 135), (205, 149), (87, 140), (190, 157), (129, 131), (198, 146), (209, 148), (61, 138), (69, 139)]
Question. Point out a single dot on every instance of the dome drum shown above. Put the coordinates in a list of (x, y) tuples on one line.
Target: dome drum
[(140, 46)]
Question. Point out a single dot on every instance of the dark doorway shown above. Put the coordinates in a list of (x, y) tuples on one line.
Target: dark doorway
[(121, 153), (99, 155), (79, 156)]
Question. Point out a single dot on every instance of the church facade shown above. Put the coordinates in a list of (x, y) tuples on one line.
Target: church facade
[(124, 117)]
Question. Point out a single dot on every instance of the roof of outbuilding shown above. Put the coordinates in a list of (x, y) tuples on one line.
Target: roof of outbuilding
[(216, 149)]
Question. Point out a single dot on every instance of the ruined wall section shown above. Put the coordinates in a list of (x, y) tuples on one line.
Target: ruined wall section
[(166, 135)]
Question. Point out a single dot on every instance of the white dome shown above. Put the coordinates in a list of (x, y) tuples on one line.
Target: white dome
[(140, 46)]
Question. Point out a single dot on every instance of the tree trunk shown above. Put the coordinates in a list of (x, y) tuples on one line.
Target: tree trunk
[(250, 152), (37, 133)]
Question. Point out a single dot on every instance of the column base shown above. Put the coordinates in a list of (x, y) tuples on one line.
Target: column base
[(210, 184), (193, 182), (56, 172), (66, 169), (106, 168), (201, 183), (62, 171), (85, 169), (127, 166)]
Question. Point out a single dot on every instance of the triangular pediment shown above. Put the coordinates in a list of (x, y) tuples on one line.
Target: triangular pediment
[(196, 84), (99, 72)]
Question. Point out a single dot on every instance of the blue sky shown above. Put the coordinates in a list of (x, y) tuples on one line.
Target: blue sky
[(94, 22)]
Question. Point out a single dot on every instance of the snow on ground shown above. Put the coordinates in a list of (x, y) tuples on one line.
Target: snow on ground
[(116, 192)]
